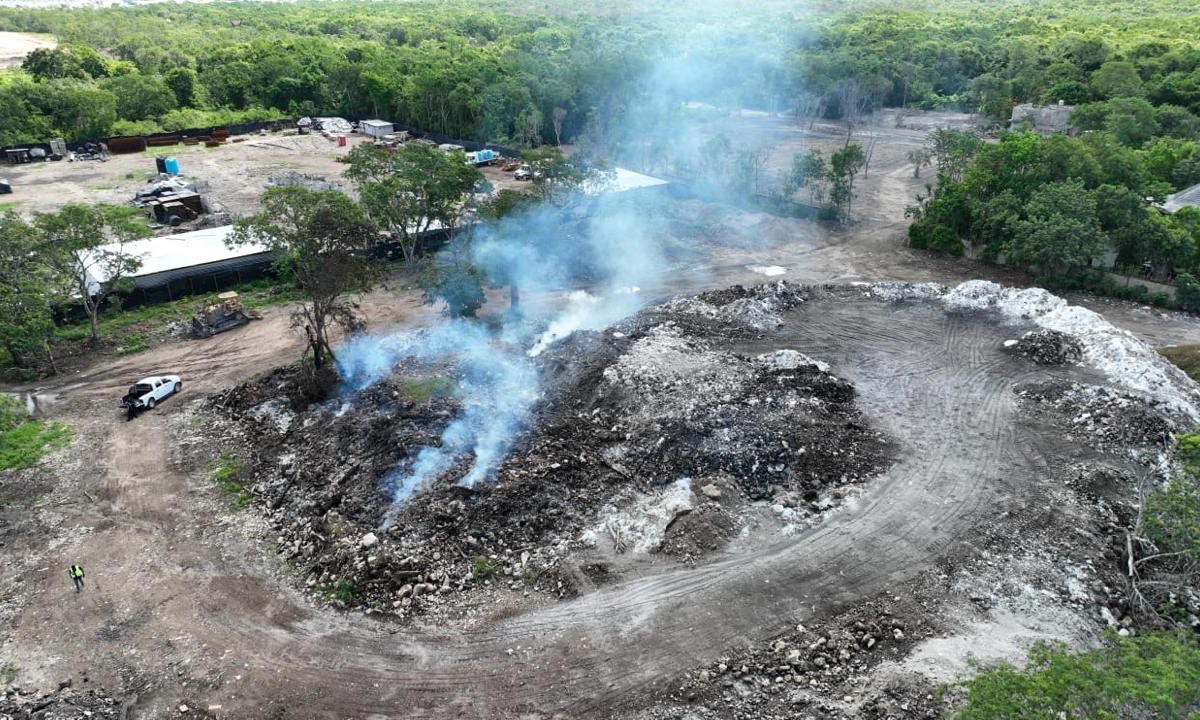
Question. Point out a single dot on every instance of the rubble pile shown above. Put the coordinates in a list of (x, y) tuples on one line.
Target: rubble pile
[(738, 310), (659, 403), (1050, 347), (18, 703), (820, 670), (1104, 417)]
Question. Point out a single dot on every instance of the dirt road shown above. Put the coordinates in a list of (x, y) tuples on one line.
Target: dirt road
[(181, 605)]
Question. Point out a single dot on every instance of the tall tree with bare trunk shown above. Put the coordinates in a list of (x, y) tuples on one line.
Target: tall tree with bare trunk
[(320, 240)]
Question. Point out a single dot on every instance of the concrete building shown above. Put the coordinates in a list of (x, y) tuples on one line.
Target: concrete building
[(1044, 119), (375, 128)]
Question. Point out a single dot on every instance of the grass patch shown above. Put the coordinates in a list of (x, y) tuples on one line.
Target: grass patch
[(24, 441), (228, 476), (1155, 675), (131, 329), (10, 205), (8, 673), (483, 567), (426, 389), (132, 343), (343, 590), (1186, 357)]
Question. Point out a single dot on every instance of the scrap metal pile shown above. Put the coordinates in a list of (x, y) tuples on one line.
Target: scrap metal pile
[(660, 405)]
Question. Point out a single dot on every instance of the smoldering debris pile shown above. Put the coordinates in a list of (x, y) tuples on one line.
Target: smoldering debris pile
[(1050, 347), (659, 400)]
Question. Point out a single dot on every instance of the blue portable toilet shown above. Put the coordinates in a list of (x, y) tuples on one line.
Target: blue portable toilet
[(172, 166)]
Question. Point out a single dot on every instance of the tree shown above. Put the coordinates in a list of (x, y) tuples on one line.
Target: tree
[(558, 180), (140, 97), (85, 249), (184, 84), (557, 118), (808, 171), (77, 110), (451, 278), (1061, 230), (413, 190), (843, 166), (53, 64), (26, 320), (919, 158), (319, 239), (994, 96), (495, 259), (953, 150), (1131, 120), (1117, 78)]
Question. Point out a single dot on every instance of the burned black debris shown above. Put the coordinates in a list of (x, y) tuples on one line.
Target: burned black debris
[(657, 403), (1050, 347)]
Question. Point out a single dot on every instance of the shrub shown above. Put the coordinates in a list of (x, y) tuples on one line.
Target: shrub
[(1155, 675), (1187, 292), (23, 440), (483, 567), (343, 590), (927, 235), (228, 476)]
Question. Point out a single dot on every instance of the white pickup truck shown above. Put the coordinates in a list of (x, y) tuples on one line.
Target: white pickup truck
[(146, 393)]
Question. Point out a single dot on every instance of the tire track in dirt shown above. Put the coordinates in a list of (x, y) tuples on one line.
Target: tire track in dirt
[(938, 383)]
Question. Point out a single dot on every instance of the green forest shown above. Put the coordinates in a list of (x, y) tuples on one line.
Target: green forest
[(502, 73)]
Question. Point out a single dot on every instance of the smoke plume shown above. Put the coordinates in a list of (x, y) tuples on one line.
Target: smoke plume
[(585, 266)]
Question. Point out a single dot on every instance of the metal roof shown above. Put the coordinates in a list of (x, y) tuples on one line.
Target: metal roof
[(200, 251), (1188, 197)]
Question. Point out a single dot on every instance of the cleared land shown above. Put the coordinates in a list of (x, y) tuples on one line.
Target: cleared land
[(15, 46), (956, 547)]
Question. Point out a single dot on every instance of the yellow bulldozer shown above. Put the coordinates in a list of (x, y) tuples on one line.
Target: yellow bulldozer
[(227, 314)]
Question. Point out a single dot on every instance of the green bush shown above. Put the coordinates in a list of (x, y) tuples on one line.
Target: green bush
[(1171, 516), (1150, 676), (1187, 292), (24, 441), (343, 590), (926, 235), (483, 567), (1186, 357), (228, 476)]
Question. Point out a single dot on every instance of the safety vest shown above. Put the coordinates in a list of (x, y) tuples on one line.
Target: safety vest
[(75, 571)]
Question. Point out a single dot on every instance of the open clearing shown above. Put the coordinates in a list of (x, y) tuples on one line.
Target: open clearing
[(987, 526), (15, 46)]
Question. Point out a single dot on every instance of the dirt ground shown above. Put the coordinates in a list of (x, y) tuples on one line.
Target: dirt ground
[(187, 604), (15, 46), (235, 174)]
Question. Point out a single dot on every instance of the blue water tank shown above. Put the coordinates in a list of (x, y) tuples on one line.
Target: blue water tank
[(172, 166)]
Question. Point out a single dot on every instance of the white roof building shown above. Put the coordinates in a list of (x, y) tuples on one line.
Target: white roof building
[(191, 260)]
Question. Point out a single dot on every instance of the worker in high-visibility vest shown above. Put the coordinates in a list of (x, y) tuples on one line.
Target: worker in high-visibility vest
[(76, 573)]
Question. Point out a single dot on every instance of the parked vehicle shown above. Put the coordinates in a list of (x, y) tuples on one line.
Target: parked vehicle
[(148, 392), (523, 173), (227, 315)]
